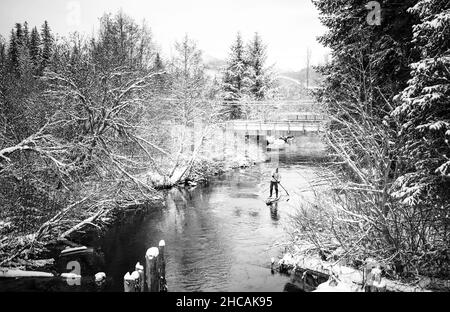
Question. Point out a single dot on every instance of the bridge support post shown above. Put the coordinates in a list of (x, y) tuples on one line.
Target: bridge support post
[(224, 145), (235, 143), (247, 138)]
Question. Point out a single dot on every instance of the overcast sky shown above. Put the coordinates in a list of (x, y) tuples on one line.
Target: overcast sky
[(288, 27)]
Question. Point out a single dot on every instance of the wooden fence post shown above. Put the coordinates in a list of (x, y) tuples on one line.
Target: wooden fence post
[(151, 269), (131, 282), (140, 269), (162, 266)]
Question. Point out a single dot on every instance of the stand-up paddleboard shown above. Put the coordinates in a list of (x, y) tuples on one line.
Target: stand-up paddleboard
[(271, 200)]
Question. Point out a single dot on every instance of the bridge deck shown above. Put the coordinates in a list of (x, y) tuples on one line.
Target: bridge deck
[(306, 125)]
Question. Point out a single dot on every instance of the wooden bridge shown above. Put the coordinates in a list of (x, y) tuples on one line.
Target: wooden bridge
[(284, 117), (290, 123)]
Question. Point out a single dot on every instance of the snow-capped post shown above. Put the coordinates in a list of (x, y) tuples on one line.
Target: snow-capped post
[(140, 269), (377, 284), (131, 282), (162, 267), (100, 279), (151, 269)]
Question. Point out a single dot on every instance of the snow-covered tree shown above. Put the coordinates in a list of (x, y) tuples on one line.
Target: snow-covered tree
[(2, 52), (35, 48), (188, 81), (13, 52), (47, 42), (261, 77), (158, 64), (236, 78), (123, 42), (425, 110), (161, 80), (26, 34)]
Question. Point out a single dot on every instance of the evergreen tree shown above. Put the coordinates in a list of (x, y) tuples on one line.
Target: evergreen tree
[(26, 35), (35, 49), (13, 52), (161, 79), (236, 78), (47, 41), (19, 34), (425, 111), (260, 77), (2, 53), (158, 64), (373, 60), (369, 68)]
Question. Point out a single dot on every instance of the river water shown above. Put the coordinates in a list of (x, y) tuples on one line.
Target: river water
[(220, 236)]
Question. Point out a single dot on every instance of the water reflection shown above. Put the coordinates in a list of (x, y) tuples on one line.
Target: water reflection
[(274, 212), (219, 237)]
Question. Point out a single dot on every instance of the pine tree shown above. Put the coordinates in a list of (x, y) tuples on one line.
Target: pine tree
[(26, 35), (425, 110), (13, 52), (236, 81), (3, 68), (373, 59), (259, 75), (158, 64), (47, 41), (19, 33), (161, 79), (35, 49), (2, 52)]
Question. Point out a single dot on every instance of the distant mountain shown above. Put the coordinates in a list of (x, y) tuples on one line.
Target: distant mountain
[(300, 76), (292, 84), (212, 62), (213, 65)]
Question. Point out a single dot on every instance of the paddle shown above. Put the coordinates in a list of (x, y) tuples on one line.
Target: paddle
[(285, 191)]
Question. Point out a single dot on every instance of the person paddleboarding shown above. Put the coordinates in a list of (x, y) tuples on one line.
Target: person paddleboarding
[(276, 178)]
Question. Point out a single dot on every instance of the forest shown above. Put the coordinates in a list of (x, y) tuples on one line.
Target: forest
[(386, 93), (91, 124)]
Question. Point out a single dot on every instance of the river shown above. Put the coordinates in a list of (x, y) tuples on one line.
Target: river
[(220, 236)]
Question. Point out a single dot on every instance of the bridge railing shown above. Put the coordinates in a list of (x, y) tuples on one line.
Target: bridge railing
[(273, 109)]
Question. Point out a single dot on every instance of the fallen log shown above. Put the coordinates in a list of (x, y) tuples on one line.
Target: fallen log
[(47, 225), (12, 273), (88, 221)]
